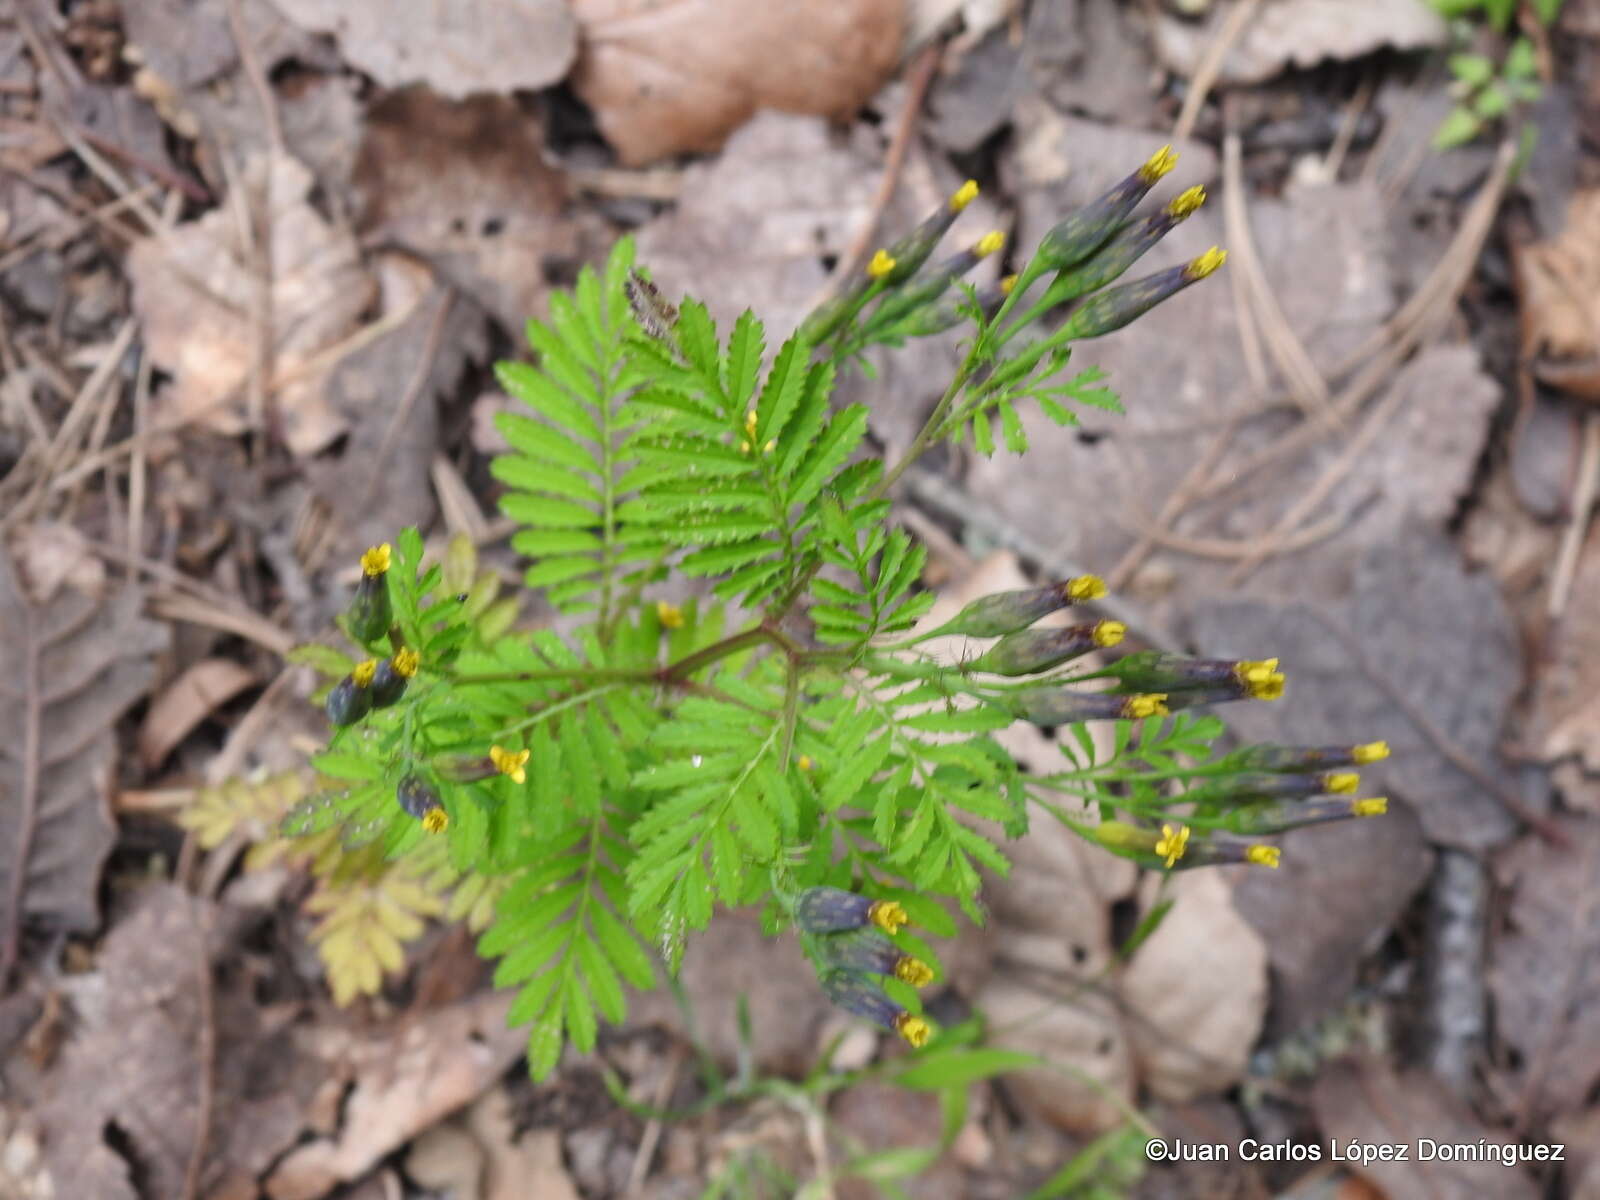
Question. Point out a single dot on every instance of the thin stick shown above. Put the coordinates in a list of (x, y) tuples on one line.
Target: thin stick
[(640, 1171), (1583, 494), (1223, 548), (1210, 66), (1306, 384), (258, 78)]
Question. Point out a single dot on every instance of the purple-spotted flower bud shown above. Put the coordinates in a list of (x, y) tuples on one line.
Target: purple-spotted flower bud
[(1124, 249), (1007, 612), (1280, 818), (872, 951), (1307, 758), (1083, 232), (1030, 651), (422, 802), (1109, 310), (1057, 705), (1223, 679), (369, 615), (389, 682), (862, 996), (351, 697), (830, 910), (1254, 786), (908, 253)]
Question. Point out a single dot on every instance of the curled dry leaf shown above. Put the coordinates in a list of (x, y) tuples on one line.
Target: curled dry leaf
[(1196, 992), (136, 1065), (188, 700), (1542, 973), (1559, 280), (464, 185), (404, 1083), (663, 79), (457, 48), (209, 292), (1299, 33), (71, 670)]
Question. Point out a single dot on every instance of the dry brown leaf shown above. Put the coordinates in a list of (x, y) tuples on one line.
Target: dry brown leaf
[(404, 1083), (663, 79), (1091, 1080), (71, 670), (1543, 974), (386, 392), (136, 1066), (457, 48), (465, 186), (1196, 992), (1559, 281), (52, 553), (1299, 33), (1567, 687), (197, 293), (522, 1162), (186, 701), (1369, 1103)]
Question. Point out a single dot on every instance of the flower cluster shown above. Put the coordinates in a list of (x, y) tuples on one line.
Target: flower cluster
[(847, 935)]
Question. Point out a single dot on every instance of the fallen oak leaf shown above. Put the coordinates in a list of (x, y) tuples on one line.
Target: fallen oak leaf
[(457, 48), (663, 79), (188, 700), (196, 288), (72, 669)]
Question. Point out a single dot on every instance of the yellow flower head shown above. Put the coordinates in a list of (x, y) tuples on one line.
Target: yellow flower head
[(887, 915), (1342, 783), (1151, 704), (804, 762), (436, 820), (510, 763), (964, 195), (1261, 679), (363, 672), (1372, 806), (1186, 201), (1109, 633), (772, 444), (1262, 856), (1207, 263), (913, 971), (1158, 164), (376, 560), (989, 243), (750, 419), (670, 615), (1085, 587), (1173, 843), (880, 265), (914, 1029), (1006, 284), (1370, 752), (405, 662)]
